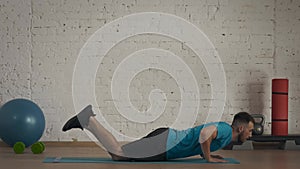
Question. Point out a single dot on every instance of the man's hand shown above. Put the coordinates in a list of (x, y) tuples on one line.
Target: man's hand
[(216, 160), (206, 136), (216, 156)]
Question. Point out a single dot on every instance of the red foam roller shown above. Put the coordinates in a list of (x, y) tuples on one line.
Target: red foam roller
[(280, 85), (280, 107), (280, 128)]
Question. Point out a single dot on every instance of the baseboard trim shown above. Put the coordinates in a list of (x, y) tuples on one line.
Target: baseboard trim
[(63, 144)]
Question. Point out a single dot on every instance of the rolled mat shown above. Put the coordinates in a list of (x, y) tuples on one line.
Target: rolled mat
[(110, 161), (280, 107)]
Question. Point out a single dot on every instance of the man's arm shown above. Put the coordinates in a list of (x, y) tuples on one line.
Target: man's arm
[(208, 134)]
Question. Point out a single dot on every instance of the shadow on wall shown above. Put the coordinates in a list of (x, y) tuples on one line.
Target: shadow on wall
[(259, 96), (257, 87), (256, 98)]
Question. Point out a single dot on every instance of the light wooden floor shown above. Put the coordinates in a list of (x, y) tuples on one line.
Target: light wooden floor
[(256, 159)]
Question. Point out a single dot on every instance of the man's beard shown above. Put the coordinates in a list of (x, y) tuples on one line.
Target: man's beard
[(239, 138)]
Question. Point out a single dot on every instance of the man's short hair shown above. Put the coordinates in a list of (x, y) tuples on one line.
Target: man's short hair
[(242, 118)]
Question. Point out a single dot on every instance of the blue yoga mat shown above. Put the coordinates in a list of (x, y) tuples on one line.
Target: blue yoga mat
[(109, 161)]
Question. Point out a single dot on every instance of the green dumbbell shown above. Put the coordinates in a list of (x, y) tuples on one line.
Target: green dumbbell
[(19, 147), (38, 148)]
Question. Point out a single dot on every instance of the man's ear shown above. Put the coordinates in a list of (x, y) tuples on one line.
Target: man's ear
[(240, 128)]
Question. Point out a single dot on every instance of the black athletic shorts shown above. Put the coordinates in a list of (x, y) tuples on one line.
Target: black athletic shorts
[(149, 148)]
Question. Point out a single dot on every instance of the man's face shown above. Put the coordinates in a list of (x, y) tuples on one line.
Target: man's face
[(245, 132)]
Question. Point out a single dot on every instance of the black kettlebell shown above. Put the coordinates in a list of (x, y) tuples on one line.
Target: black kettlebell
[(258, 125)]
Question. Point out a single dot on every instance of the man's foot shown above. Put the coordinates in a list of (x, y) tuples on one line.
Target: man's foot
[(81, 120), (72, 123)]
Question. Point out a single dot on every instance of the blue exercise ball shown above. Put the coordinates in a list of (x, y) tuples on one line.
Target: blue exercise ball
[(21, 120)]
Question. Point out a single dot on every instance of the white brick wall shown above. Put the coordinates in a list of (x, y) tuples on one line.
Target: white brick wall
[(287, 54), (41, 40), (15, 49)]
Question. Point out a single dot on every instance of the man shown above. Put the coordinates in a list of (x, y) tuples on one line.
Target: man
[(166, 143)]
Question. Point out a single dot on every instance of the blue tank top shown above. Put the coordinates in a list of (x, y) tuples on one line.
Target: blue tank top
[(185, 143)]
